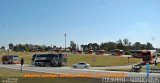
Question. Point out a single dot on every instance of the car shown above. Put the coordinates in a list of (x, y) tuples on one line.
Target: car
[(81, 65)]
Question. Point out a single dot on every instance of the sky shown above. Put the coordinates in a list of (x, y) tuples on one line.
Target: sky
[(84, 21)]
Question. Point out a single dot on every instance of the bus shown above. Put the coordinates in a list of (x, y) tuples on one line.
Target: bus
[(148, 56), (100, 52), (63, 58), (53, 60), (10, 59), (117, 52), (136, 53), (139, 53)]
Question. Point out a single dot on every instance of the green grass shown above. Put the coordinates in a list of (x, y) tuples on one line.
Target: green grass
[(16, 74), (101, 60)]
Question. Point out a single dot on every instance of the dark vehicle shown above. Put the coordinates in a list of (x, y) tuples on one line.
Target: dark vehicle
[(63, 59), (136, 68), (56, 60), (10, 59)]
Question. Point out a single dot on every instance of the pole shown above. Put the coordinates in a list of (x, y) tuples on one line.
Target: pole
[(65, 40), (147, 71), (8, 51), (128, 60)]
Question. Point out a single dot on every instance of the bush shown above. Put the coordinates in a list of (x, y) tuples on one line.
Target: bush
[(127, 53)]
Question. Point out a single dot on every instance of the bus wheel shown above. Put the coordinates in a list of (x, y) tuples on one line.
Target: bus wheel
[(44, 65), (51, 65), (59, 65), (35, 64), (55, 65), (38, 64)]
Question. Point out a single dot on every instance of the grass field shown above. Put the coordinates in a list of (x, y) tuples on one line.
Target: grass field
[(11, 73), (101, 61)]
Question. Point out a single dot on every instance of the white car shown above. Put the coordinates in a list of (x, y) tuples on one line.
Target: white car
[(81, 65)]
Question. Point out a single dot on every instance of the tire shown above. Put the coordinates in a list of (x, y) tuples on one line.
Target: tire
[(59, 65), (75, 67), (38, 64), (42, 65), (51, 65), (35, 64)]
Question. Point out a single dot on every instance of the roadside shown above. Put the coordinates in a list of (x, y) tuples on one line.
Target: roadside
[(14, 74)]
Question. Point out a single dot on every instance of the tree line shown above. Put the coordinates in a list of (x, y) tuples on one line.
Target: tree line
[(124, 44), (27, 47)]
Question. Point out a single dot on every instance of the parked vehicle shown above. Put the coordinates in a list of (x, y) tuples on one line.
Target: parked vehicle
[(149, 56), (117, 52), (10, 59), (81, 65), (139, 53), (49, 60), (136, 53)]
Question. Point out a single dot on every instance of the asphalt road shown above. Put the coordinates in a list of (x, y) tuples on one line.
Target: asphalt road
[(69, 70)]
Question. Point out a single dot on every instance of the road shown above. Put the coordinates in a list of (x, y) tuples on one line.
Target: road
[(69, 70)]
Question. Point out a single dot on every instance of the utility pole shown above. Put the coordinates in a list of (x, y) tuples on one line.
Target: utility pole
[(65, 40)]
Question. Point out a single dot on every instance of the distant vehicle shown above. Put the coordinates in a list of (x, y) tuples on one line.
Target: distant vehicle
[(148, 56), (117, 52), (81, 65), (100, 52), (10, 59), (139, 53), (136, 53), (56, 60)]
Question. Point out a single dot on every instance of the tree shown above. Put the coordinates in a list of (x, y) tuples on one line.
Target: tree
[(103, 46), (111, 46), (137, 46), (126, 41), (72, 46), (149, 46), (143, 46), (84, 48), (11, 46), (3, 48), (120, 44)]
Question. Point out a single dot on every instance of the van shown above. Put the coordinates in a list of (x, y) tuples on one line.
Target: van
[(10, 59)]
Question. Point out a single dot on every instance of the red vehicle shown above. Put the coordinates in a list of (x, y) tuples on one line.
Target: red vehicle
[(117, 52), (148, 57)]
